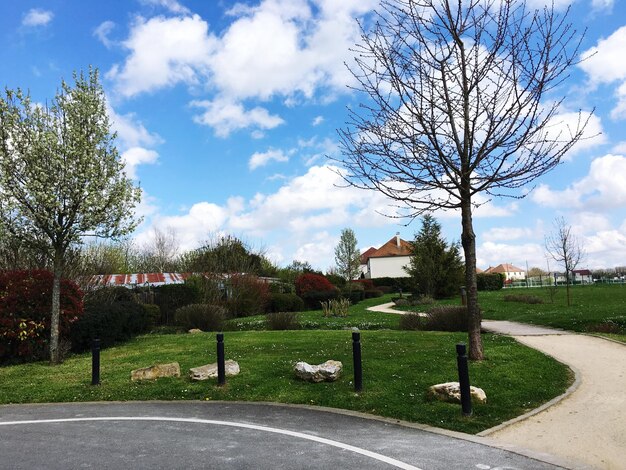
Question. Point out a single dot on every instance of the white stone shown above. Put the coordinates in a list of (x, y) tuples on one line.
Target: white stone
[(329, 371), (451, 392), (209, 371)]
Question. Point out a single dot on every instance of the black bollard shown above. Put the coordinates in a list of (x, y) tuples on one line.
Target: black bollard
[(464, 382), (221, 366), (356, 357), (95, 362)]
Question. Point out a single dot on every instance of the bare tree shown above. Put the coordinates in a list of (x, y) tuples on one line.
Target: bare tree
[(458, 103), (565, 248), (161, 253)]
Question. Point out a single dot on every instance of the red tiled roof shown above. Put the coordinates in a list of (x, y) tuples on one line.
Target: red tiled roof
[(366, 254), (504, 268), (391, 248)]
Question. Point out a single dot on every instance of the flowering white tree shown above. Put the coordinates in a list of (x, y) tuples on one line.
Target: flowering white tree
[(61, 177)]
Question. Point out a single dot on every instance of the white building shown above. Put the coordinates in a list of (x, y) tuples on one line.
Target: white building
[(387, 261)]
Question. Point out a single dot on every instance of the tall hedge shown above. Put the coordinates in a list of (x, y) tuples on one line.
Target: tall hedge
[(494, 281)]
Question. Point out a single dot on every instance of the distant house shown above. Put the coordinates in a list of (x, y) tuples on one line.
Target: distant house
[(583, 276), (511, 273), (387, 261)]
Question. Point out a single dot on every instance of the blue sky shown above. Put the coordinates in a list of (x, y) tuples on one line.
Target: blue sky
[(225, 112)]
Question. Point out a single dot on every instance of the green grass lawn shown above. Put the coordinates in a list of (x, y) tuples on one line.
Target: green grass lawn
[(359, 317), (398, 367), (591, 305)]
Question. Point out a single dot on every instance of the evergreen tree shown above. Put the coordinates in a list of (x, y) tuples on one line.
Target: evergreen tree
[(436, 268)]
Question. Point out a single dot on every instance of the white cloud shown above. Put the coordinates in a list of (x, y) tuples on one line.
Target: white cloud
[(620, 147), (317, 120), (163, 52), (567, 124), (259, 159), (492, 254), (602, 5), (137, 156), (226, 117), (604, 188), (102, 32), (130, 131), (604, 65), (170, 5), (509, 233), (37, 17)]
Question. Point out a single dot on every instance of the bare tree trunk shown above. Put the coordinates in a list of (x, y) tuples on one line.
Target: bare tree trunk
[(56, 309), (468, 240)]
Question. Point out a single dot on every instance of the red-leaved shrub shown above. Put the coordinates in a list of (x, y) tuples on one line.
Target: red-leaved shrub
[(25, 310), (312, 282), (247, 295)]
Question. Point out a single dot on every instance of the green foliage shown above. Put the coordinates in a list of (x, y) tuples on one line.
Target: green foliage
[(396, 283), (353, 294), (347, 255), (285, 303), (109, 321), (202, 316), (487, 282), (153, 313), (436, 268), (282, 321), (372, 293), (336, 280), (25, 307), (170, 297), (313, 299), (411, 321)]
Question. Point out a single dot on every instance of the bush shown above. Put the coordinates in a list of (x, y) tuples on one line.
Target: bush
[(154, 314), (607, 326), (285, 303), (385, 289), (411, 321), (170, 297), (396, 283), (310, 282), (281, 287), (493, 281), (446, 318), (205, 317), (248, 296), (336, 308), (354, 295), (283, 321), (372, 293), (523, 298), (313, 299), (110, 322), (25, 311), (336, 280)]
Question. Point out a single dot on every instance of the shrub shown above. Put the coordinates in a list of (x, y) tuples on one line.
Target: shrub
[(372, 293), (367, 284), (153, 313), (446, 318), (170, 297), (285, 303), (313, 299), (310, 282), (493, 281), (404, 302), (110, 322), (281, 287), (411, 321), (283, 321), (202, 316), (247, 296), (385, 289), (421, 300), (336, 308), (396, 283), (523, 298), (336, 280), (354, 296), (25, 311)]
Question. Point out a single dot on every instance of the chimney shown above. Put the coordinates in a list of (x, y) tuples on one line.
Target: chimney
[(398, 239)]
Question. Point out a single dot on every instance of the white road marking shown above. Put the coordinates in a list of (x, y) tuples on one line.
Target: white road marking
[(321, 440)]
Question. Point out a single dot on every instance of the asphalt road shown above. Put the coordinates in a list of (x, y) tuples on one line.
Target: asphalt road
[(190, 435)]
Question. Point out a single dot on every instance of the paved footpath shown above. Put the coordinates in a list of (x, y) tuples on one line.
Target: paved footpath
[(589, 424), (224, 435)]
